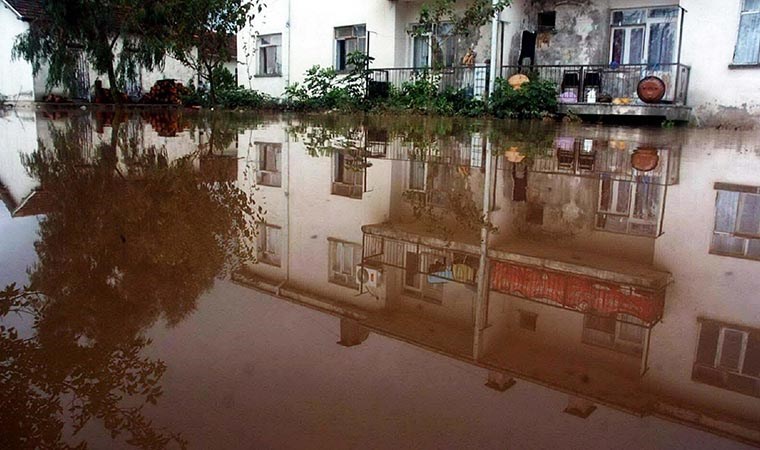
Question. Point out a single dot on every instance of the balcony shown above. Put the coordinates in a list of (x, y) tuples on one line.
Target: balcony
[(619, 83)]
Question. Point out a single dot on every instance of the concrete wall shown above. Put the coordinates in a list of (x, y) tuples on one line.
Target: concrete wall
[(16, 81)]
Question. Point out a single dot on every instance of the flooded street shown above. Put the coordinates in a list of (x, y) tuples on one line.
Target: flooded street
[(185, 279)]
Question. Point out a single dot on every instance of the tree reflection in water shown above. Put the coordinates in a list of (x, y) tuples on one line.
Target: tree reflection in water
[(117, 251)]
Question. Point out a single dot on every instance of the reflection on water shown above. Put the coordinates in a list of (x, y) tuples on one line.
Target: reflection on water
[(592, 260)]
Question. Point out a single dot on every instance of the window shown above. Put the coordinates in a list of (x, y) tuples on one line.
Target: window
[(437, 46), (728, 356), (639, 36), (270, 55), (547, 21), (747, 49), (269, 172), (348, 175), (417, 175), (631, 207), (737, 221), (344, 257), (623, 332), (349, 39), (418, 284), (268, 244)]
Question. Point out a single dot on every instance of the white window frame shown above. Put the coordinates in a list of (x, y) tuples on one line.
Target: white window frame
[(361, 44), (261, 171), (631, 220), (337, 249), (742, 350), (647, 25), (746, 238), (431, 34), (264, 49), (272, 257), (744, 12)]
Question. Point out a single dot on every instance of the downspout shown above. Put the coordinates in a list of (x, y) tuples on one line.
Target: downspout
[(287, 76), (494, 48)]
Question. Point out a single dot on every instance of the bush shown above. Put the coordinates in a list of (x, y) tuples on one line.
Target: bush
[(241, 97), (534, 99), (423, 95)]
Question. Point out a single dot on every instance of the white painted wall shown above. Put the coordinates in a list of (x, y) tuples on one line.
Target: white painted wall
[(16, 76), (18, 133)]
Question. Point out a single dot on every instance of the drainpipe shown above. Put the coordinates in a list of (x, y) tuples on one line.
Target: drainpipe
[(494, 48), (287, 76)]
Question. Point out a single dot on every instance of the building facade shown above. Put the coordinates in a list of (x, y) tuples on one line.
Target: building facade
[(706, 54)]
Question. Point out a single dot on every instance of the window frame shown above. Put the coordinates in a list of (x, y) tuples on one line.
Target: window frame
[(742, 14), (262, 247), (355, 36), (263, 51), (707, 367), (336, 249), (618, 343), (261, 148), (747, 239), (646, 23)]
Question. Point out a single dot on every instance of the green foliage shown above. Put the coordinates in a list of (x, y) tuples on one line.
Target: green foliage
[(325, 88), (69, 29), (534, 99), (241, 97), (422, 95), (465, 21)]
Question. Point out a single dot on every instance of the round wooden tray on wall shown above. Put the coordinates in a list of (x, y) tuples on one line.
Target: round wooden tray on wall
[(651, 89)]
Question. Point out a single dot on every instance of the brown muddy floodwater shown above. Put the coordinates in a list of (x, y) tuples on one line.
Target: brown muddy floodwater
[(177, 279)]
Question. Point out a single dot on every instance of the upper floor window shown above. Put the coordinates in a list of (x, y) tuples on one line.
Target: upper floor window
[(269, 171), (350, 39), (737, 221), (728, 356), (640, 36), (747, 49), (270, 55)]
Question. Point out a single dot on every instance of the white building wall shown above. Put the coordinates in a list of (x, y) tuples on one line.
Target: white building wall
[(16, 81), (18, 133), (715, 287)]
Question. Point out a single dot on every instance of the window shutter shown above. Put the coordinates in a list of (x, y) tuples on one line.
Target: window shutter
[(708, 343), (752, 355)]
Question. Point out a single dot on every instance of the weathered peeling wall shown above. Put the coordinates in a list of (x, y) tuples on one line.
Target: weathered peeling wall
[(580, 35)]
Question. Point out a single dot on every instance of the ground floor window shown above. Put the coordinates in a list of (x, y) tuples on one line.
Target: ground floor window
[(621, 332), (269, 248), (349, 39), (344, 257)]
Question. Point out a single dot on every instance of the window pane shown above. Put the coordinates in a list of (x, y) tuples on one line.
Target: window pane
[(662, 41), (725, 243), (421, 51), (731, 349), (343, 32), (748, 42), (271, 61), (618, 45), (604, 324), (751, 5), (708, 343), (666, 13), (631, 333), (725, 211), (636, 52), (417, 175), (749, 214), (336, 254), (623, 196), (348, 258), (646, 203)]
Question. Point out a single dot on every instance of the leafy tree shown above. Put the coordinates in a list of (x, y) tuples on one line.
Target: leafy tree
[(202, 30), (115, 37)]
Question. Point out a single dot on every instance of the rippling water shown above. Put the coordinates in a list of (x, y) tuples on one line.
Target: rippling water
[(177, 278)]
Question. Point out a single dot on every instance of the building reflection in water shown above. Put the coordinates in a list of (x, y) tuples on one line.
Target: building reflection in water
[(552, 254), (615, 265)]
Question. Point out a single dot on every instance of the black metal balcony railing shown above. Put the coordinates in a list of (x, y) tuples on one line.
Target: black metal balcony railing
[(618, 81), (574, 81), (473, 79)]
